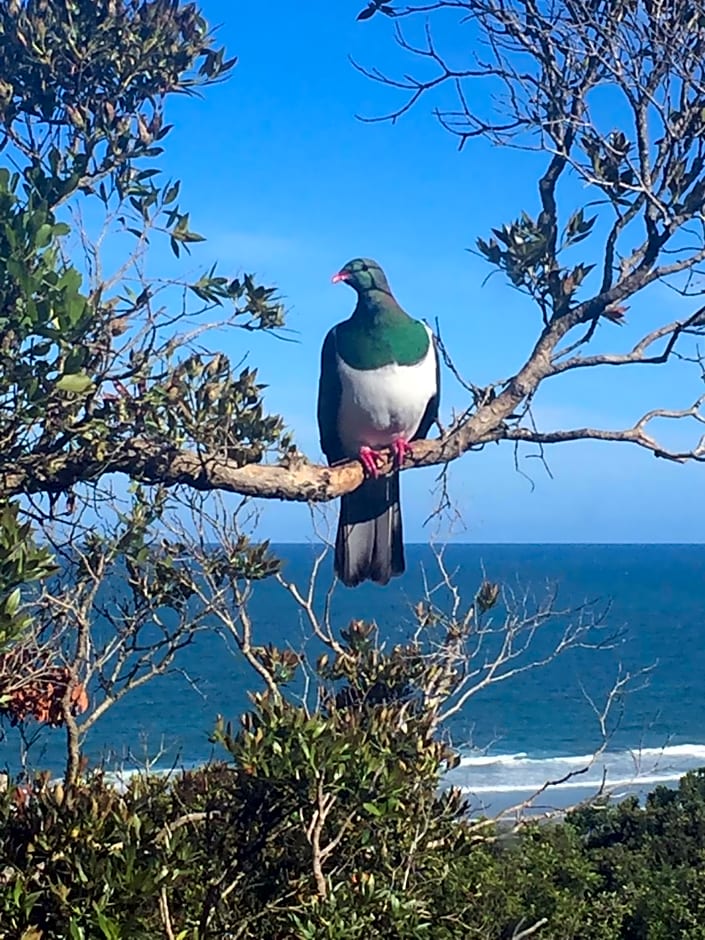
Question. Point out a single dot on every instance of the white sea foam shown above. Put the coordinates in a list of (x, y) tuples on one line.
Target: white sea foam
[(628, 769)]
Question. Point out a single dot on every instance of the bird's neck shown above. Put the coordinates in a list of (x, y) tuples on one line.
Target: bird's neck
[(379, 306)]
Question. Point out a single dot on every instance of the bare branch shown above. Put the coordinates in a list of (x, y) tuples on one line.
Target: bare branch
[(520, 933), (638, 353), (637, 434)]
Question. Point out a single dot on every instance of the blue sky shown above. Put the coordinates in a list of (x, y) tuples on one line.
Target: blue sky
[(286, 183)]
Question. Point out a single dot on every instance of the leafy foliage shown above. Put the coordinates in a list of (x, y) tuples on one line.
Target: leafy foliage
[(526, 251), (94, 76), (22, 562), (329, 823), (89, 363), (100, 368)]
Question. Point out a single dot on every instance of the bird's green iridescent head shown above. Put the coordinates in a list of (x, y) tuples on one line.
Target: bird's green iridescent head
[(363, 274)]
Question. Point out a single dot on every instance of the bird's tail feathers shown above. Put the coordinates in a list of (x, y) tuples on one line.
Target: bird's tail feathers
[(369, 543)]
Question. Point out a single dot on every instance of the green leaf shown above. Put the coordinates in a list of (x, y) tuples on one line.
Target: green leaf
[(76, 931), (75, 360), (13, 602), (70, 281), (78, 382), (171, 193), (43, 236), (75, 309)]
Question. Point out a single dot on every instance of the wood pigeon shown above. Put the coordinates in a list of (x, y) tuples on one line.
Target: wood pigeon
[(379, 387)]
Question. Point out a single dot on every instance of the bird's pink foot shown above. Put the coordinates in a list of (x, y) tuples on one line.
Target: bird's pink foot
[(370, 460), (401, 449)]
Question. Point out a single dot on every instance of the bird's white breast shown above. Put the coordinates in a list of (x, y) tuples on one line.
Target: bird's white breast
[(378, 406)]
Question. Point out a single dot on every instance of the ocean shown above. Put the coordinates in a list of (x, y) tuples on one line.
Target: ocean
[(513, 736)]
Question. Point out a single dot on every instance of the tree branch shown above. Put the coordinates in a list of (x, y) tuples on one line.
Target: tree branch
[(299, 480), (637, 434), (638, 353)]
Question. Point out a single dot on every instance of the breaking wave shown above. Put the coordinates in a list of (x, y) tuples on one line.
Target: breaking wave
[(629, 769)]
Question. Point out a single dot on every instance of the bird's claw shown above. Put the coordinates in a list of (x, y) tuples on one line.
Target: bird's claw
[(370, 460), (401, 449)]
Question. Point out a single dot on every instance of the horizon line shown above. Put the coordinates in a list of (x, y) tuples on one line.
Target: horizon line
[(514, 543)]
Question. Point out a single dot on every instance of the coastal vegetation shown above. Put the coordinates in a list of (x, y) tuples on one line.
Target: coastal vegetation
[(227, 851), (120, 431)]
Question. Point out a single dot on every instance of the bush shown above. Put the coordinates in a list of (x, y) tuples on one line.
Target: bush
[(329, 823)]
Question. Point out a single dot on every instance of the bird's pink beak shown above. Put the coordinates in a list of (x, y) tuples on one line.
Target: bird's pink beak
[(340, 276)]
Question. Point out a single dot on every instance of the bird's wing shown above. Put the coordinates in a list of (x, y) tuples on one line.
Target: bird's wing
[(431, 412), (329, 393)]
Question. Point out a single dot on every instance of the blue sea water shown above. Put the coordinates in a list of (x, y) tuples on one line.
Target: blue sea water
[(513, 736)]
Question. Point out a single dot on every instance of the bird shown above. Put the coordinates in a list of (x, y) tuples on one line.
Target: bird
[(379, 387)]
